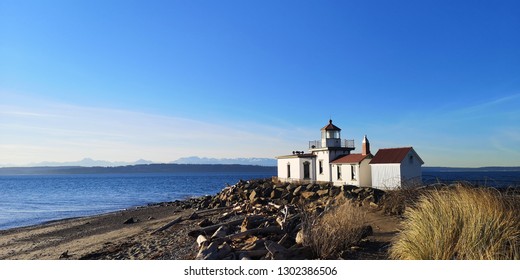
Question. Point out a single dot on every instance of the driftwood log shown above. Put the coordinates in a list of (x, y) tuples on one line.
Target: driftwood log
[(210, 229), (177, 220), (254, 231)]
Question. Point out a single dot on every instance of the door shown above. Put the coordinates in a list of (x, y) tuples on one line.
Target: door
[(306, 170)]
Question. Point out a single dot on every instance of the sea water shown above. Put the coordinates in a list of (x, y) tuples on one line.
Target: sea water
[(34, 199), (497, 179)]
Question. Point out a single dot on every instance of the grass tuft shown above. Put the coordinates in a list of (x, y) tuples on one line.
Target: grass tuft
[(334, 230), (460, 223)]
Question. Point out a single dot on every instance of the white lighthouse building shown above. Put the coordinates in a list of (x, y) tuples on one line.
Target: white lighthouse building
[(316, 164), (330, 160)]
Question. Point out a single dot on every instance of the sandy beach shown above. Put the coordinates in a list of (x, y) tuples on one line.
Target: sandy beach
[(104, 236), (107, 236)]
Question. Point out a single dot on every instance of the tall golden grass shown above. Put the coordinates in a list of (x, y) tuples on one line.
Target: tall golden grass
[(334, 230), (460, 223)]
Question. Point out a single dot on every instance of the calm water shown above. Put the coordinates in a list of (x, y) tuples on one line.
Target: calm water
[(481, 178), (29, 200)]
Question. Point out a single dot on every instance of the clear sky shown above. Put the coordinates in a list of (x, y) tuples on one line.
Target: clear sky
[(159, 80)]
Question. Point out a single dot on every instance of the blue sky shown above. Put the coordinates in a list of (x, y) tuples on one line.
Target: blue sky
[(159, 80)]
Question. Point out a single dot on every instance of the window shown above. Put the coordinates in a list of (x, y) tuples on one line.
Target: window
[(288, 170), (339, 171), (321, 166), (353, 172), (410, 159)]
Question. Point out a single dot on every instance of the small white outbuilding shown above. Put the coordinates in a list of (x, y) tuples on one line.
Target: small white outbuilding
[(353, 169), (395, 168)]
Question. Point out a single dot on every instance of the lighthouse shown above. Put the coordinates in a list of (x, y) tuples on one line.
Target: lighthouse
[(330, 159), (330, 147)]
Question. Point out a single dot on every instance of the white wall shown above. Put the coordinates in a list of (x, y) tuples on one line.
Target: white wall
[(345, 174), (411, 171), (282, 168), (363, 174), (296, 168), (324, 156), (327, 156), (386, 176)]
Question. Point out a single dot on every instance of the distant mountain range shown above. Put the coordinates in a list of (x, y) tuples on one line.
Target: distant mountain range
[(89, 162), (242, 161), (141, 168), (194, 160)]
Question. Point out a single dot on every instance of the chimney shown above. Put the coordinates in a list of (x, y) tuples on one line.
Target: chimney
[(365, 147)]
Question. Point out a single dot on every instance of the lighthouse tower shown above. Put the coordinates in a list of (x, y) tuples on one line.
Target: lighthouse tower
[(330, 147)]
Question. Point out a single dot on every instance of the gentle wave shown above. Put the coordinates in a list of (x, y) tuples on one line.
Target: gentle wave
[(29, 200)]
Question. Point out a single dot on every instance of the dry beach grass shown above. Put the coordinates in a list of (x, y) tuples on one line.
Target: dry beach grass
[(335, 230), (460, 223)]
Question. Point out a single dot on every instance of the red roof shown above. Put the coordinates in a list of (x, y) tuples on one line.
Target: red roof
[(330, 126), (352, 158), (391, 155)]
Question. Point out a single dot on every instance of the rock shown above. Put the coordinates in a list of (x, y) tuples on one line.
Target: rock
[(357, 190), (220, 233), (131, 221), (369, 199), (253, 195), (290, 188), (247, 223), (206, 222), (205, 250), (277, 251), (298, 190), (201, 240), (276, 193), (345, 195), (308, 195), (322, 193), (214, 251), (193, 216), (65, 255), (253, 244), (334, 191), (299, 237), (348, 188)]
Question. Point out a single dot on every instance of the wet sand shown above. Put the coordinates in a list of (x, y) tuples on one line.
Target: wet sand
[(107, 236), (103, 236)]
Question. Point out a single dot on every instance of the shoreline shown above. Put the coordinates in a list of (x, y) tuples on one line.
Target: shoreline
[(60, 220), (91, 215), (163, 230), (75, 238), (242, 221)]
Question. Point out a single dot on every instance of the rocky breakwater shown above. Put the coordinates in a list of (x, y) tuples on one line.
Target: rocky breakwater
[(261, 219)]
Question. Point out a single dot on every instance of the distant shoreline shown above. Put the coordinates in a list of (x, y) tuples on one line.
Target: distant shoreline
[(199, 168), (142, 168)]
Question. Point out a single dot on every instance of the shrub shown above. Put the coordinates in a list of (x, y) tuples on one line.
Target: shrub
[(460, 223), (334, 230)]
